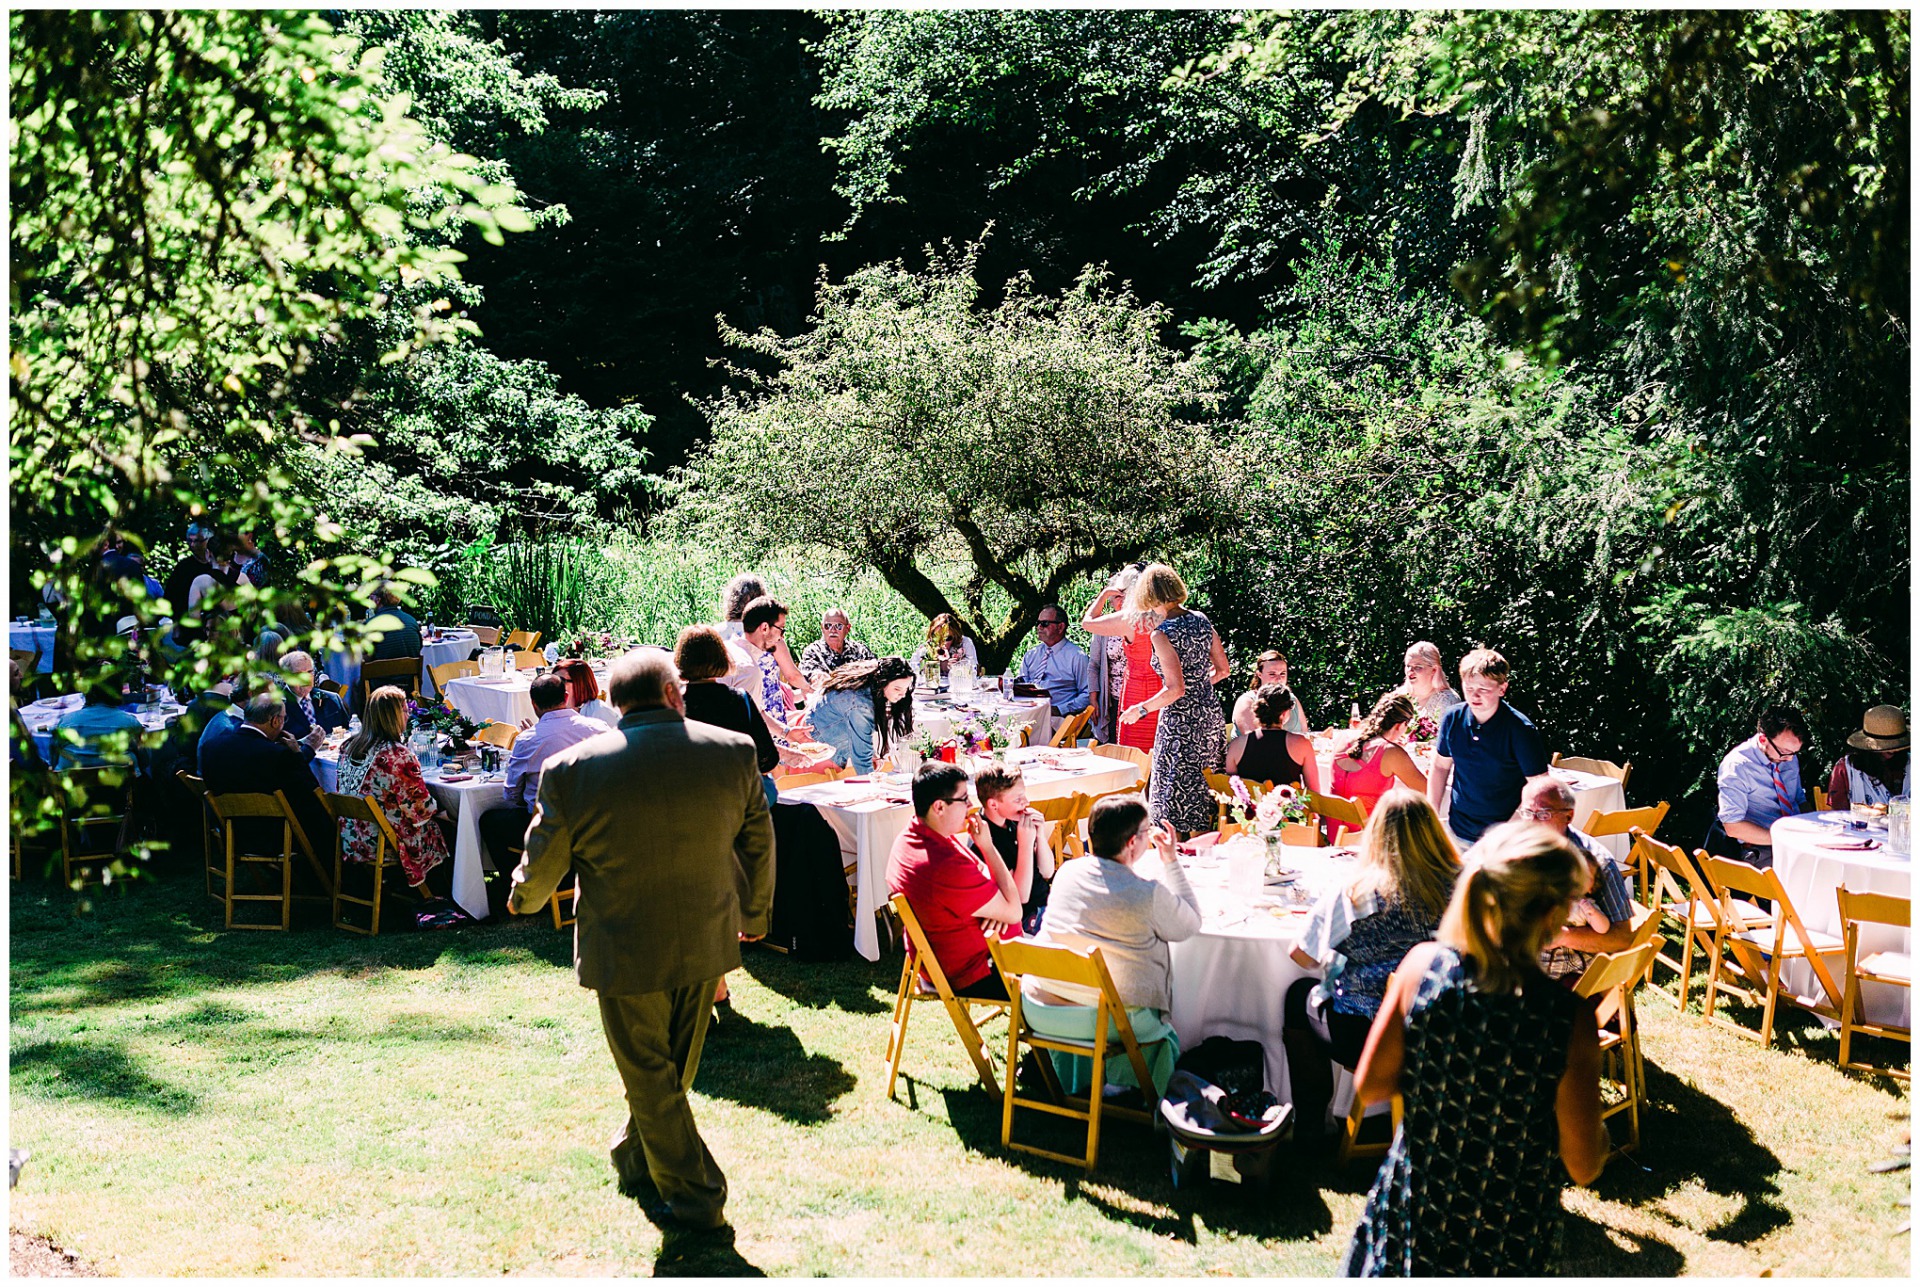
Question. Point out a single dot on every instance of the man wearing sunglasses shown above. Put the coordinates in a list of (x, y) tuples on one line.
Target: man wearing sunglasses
[(1058, 664), (960, 891), (1759, 785)]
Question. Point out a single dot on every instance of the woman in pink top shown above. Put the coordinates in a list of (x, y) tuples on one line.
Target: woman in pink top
[(1377, 757)]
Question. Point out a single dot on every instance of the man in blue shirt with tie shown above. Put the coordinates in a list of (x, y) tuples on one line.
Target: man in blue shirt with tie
[(1760, 784), (1058, 664)]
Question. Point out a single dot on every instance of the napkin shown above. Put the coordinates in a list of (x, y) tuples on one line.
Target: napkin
[(456, 777)]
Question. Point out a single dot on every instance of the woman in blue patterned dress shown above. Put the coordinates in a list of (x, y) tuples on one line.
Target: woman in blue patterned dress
[(1499, 1070), (1191, 736)]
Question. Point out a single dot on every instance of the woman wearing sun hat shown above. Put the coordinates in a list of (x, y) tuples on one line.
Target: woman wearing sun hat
[(1878, 767)]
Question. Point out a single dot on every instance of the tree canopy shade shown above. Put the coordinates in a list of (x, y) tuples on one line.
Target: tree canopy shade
[(1040, 440)]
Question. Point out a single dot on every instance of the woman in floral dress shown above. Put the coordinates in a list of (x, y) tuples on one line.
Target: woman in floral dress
[(1192, 733), (379, 763)]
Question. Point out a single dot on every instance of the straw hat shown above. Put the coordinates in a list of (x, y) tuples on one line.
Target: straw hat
[(1883, 728)]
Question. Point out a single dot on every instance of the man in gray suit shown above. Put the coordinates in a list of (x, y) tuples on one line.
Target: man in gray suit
[(665, 823)]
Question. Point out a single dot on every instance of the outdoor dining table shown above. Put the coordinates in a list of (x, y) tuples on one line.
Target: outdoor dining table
[(504, 698), (43, 716), (936, 716), (444, 646), (1231, 978), (1813, 857), (27, 636), (869, 813), (466, 797)]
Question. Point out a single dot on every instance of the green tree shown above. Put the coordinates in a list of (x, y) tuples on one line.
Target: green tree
[(1037, 442)]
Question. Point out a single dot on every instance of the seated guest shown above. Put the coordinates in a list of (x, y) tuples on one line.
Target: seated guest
[(762, 628), (1759, 784), (1270, 753), (856, 701), (1130, 905), (261, 756), (1485, 753), (947, 641), (379, 763), (583, 691), (268, 645), (700, 655), (1270, 667), (311, 709), (1357, 937), (556, 726), (833, 649), (402, 632), (1875, 767), (958, 893), (1377, 757), (248, 557), (1601, 921), (1427, 681), (1058, 664), (739, 595), (1016, 831), (222, 721), (101, 731)]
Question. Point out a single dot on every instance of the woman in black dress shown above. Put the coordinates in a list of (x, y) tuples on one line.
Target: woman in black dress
[(1270, 753)]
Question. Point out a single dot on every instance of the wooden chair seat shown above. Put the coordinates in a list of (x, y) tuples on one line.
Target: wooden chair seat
[(915, 989), (1747, 957), (1888, 968)]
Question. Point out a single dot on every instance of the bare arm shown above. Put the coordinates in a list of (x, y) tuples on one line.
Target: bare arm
[(1397, 762), (1113, 624), (1584, 1144), (1004, 907), (1220, 667), (1235, 749), (1301, 750), (1751, 833), (1437, 782), (1377, 1077)]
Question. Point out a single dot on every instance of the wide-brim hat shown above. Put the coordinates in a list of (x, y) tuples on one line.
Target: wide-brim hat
[(1883, 728)]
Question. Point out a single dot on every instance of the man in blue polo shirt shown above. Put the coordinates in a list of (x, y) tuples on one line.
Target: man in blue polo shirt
[(1485, 753)]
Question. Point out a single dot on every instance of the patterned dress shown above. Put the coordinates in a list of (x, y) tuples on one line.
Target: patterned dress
[(1472, 1183), (1191, 737), (391, 775)]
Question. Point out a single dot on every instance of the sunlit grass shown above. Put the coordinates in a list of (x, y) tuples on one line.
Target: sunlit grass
[(213, 1103)]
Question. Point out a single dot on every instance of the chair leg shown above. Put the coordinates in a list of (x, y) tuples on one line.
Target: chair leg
[(897, 1037), (1773, 999), (286, 894), (975, 1044), (227, 897), (1013, 1063), (1094, 1095)]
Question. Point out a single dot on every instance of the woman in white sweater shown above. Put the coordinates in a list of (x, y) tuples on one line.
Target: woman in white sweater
[(1129, 905)]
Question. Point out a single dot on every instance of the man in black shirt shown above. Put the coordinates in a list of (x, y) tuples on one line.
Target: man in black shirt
[(180, 580)]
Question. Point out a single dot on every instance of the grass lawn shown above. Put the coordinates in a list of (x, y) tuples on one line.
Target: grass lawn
[(204, 1102)]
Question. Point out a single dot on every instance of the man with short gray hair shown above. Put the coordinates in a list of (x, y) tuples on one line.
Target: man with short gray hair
[(665, 825), (835, 647), (312, 711), (1549, 801), (261, 756)]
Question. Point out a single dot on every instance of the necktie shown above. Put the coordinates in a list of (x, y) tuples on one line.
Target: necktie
[(1780, 787)]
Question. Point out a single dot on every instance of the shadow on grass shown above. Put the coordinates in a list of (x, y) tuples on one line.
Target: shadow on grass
[(702, 1254), (1594, 1250), (94, 1071), (760, 1066), (848, 985), (1133, 1182)]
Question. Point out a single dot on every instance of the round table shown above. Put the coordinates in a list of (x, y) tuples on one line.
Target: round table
[(25, 636), (1811, 869), (43, 716), (1231, 978), (937, 717), (451, 645)]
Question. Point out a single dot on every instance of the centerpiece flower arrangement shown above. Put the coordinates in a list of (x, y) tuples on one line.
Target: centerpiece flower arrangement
[(986, 735), (592, 645), (926, 745), (1422, 728), (442, 720), (1267, 816)]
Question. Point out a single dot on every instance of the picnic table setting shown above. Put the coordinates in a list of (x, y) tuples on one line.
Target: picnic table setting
[(41, 717), (25, 634), (1866, 849)]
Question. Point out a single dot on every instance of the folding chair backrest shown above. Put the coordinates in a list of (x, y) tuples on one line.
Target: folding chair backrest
[(1599, 768), (364, 809), (1068, 734), (487, 635), (1731, 878), (1064, 815), (450, 670), (1611, 970), (921, 950), (1074, 975), (233, 806), (1338, 808), (1621, 822), (1675, 875), (1116, 752), (1875, 909), (528, 660), (525, 640), (499, 733)]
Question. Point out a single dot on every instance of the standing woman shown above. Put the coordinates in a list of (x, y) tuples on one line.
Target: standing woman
[(379, 763), (1128, 644), (1191, 734), (1499, 1068)]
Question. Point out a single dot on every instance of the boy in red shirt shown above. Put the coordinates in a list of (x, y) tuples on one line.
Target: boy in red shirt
[(958, 893)]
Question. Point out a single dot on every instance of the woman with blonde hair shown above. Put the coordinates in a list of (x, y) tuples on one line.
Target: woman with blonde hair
[(947, 640), (1122, 651), (379, 763), (1499, 1072), (1191, 735), (1357, 937), (1426, 681)]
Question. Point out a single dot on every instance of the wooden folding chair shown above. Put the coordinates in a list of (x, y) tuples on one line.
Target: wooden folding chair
[(1612, 977), (1068, 734), (1892, 968), (210, 854), (1599, 768), (528, 660), (401, 672), (1621, 822), (1755, 948), (236, 806), (922, 979), (448, 670), (1079, 975), (834, 774), (1682, 892), (498, 733), (1063, 815), (1336, 808), (523, 640), (1144, 759), (1350, 1145), (96, 810), (366, 811), (1819, 795), (488, 636)]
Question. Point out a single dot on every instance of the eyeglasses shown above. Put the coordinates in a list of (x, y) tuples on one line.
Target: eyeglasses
[(956, 799)]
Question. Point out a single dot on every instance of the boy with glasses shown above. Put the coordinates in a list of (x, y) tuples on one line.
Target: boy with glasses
[(959, 891), (1485, 753)]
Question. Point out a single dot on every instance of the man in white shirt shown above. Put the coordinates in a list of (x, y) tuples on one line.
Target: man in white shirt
[(556, 726), (1058, 664)]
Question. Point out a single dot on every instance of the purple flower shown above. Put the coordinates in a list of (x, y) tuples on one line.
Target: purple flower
[(1240, 792)]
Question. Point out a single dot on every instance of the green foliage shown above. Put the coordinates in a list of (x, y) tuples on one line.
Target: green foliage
[(1043, 440)]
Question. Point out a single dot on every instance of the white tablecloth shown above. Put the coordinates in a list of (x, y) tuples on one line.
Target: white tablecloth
[(1231, 978), (1810, 873), (43, 716), (938, 718), (35, 638), (494, 697), (869, 815), (466, 801), (453, 645)]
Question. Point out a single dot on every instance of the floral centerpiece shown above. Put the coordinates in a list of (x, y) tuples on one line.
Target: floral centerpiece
[(442, 720), (592, 645), (926, 745), (1422, 728), (1267, 816), (987, 735)]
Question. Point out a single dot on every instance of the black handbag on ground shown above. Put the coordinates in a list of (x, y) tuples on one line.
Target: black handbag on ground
[(809, 887)]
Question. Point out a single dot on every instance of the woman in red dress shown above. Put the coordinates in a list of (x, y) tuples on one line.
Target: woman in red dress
[(1131, 678)]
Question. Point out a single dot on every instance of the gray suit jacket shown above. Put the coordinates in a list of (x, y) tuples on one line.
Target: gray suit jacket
[(666, 825)]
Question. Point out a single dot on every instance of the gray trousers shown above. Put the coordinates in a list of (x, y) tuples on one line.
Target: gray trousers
[(655, 1039)]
